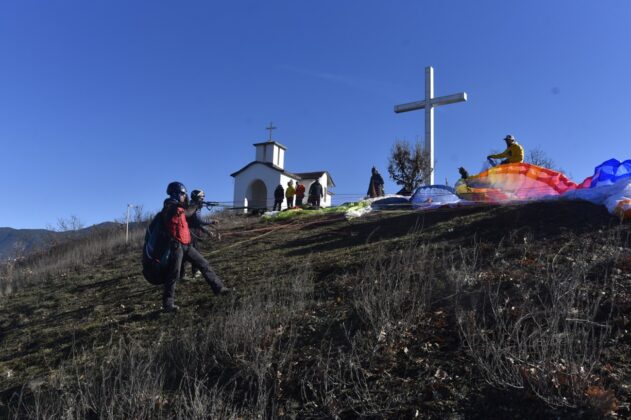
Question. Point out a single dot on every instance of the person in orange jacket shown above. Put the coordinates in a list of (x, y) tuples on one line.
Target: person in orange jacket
[(174, 215), (300, 194)]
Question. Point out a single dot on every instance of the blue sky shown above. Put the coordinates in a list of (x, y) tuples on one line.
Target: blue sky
[(103, 103)]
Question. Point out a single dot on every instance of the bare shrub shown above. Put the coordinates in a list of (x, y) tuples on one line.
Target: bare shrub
[(395, 288), (339, 384), (539, 330), (71, 223)]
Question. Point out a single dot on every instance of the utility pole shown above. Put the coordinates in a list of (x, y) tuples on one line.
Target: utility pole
[(127, 221)]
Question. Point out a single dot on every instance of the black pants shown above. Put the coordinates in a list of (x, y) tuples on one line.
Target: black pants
[(315, 201), (290, 202), (187, 253), (278, 203), (194, 267), (299, 200)]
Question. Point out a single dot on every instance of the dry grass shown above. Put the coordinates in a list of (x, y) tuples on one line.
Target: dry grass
[(74, 255), (228, 368)]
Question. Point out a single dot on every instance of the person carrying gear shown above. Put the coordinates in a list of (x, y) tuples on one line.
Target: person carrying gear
[(174, 214), (279, 196), (300, 194), (461, 186), (375, 188), (514, 153), (198, 226), (289, 194), (315, 194)]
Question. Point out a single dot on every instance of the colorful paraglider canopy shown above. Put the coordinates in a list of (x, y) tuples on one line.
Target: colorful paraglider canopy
[(515, 181)]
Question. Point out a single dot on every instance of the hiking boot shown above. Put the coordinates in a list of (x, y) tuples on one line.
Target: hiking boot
[(170, 308)]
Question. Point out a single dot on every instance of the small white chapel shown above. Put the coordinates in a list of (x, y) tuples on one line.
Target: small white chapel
[(254, 184)]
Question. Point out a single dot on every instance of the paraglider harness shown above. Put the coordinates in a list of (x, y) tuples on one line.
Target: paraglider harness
[(156, 251)]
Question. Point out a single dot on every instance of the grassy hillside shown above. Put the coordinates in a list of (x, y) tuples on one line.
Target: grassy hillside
[(489, 312)]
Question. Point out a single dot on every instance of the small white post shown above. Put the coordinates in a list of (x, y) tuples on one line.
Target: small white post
[(245, 205), (127, 222)]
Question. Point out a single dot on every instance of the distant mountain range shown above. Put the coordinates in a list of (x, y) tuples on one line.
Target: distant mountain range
[(20, 242)]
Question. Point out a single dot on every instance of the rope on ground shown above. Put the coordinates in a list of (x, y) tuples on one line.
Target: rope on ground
[(287, 226)]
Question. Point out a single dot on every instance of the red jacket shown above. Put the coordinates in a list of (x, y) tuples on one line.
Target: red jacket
[(177, 226), (300, 190)]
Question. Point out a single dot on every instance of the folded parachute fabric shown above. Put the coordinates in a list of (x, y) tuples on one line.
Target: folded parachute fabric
[(391, 203), (434, 196), (608, 173)]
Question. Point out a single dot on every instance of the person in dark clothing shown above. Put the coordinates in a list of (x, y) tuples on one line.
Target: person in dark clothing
[(174, 215), (315, 194), (375, 188), (198, 227), (279, 196)]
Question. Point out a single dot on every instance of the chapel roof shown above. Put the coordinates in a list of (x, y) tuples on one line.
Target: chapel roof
[(270, 142), (299, 176)]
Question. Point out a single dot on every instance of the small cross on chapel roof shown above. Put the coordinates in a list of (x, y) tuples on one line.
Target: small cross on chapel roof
[(270, 128)]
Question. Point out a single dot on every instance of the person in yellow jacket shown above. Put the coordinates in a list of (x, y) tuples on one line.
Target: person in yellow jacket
[(290, 192), (514, 153)]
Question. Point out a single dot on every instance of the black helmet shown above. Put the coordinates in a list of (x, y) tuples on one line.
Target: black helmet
[(176, 188), (197, 195)]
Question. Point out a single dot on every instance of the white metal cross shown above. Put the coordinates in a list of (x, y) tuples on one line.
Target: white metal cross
[(428, 104)]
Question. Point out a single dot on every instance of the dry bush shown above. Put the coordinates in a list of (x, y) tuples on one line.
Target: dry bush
[(395, 288), (229, 368), (543, 328), (392, 293)]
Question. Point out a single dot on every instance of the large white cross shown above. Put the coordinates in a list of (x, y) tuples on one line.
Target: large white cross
[(429, 103)]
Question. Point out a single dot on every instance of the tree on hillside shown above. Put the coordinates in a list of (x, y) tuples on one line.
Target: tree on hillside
[(409, 166), (537, 156)]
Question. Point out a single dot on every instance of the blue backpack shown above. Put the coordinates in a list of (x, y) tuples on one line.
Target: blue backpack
[(156, 251)]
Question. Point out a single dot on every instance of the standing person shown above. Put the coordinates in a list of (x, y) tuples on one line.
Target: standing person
[(375, 188), (300, 194), (198, 227), (315, 193), (279, 195), (289, 194), (174, 215), (514, 153)]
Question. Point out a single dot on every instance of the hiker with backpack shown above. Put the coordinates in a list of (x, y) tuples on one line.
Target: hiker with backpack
[(173, 215), (198, 227)]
